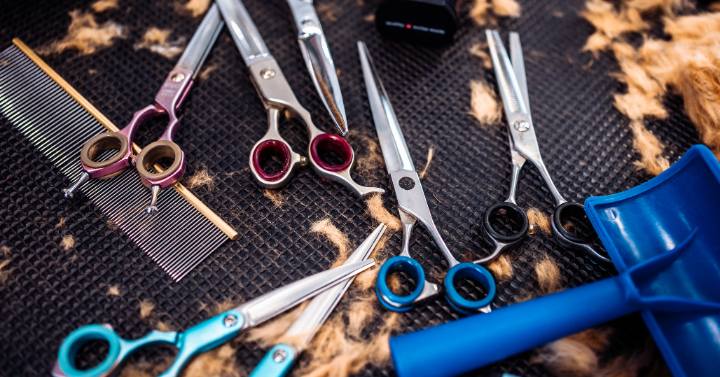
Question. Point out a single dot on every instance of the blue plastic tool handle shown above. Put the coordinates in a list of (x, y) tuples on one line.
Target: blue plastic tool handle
[(118, 348), (200, 338), (469, 343), (277, 362)]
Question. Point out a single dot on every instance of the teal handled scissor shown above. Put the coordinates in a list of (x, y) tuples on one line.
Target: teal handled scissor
[(202, 337), (280, 358), (413, 208)]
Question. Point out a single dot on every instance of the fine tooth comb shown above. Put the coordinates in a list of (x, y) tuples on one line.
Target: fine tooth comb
[(57, 120)]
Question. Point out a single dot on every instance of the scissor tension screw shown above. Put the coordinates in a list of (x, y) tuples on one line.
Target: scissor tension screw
[(177, 77), (521, 125), (406, 183), (267, 73), (230, 320), (279, 356)]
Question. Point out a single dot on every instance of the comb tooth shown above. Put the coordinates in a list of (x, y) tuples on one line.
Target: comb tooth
[(177, 238)]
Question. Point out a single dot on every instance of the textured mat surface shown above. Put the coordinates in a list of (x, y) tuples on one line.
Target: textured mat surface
[(585, 143)]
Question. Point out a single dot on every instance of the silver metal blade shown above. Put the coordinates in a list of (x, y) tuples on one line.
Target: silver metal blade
[(395, 151), (319, 62), (271, 304), (319, 309), (510, 92), (517, 112), (243, 30), (518, 63), (202, 41)]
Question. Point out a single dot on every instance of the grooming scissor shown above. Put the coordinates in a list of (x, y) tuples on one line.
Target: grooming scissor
[(512, 84), (318, 60), (277, 96), (280, 358), (413, 207), (203, 336), (172, 93)]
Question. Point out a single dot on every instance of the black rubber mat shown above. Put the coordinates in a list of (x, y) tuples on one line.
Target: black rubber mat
[(585, 142)]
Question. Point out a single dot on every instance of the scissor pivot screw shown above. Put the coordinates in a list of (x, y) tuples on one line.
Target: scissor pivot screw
[(279, 356), (521, 125), (267, 73), (230, 320), (308, 22), (406, 183), (177, 77)]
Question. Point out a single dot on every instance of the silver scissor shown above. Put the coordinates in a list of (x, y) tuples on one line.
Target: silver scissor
[(524, 147), (277, 96), (202, 337), (278, 361), (413, 207), (318, 60)]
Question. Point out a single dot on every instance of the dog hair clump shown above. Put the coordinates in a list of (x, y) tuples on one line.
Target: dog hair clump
[(538, 220), (103, 5), (575, 355), (275, 197), (201, 178), (340, 240), (684, 62), (501, 268), (194, 8), (114, 290), (484, 105), (479, 50), (85, 35), (207, 71), (380, 214), (372, 159), (156, 40), (146, 308), (428, 161), (67, 242), (548, 275), (328, 11), (482, 10), (5, 258)]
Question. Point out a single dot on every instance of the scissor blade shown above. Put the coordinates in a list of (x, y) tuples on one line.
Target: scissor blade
[(243, 30), (518, 63), (319, 309), (271, 304), (512, 95), (319, 62), (516, 106), (395, 151), (202, 41)]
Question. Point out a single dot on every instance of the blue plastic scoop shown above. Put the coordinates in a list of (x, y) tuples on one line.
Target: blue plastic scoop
[(663, 237)]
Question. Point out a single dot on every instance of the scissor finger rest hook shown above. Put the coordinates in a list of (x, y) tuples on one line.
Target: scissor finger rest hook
[(570, 213)]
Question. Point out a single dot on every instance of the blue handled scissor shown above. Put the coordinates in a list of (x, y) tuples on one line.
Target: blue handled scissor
[(413, 207), (205, 335), (279, 359)]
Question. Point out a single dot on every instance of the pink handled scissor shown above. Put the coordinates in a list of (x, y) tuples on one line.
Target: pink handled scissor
[(277, 96), (95, 157)]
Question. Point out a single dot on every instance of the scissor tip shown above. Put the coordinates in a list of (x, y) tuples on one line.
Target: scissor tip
[(68, 193), (151, 209)]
